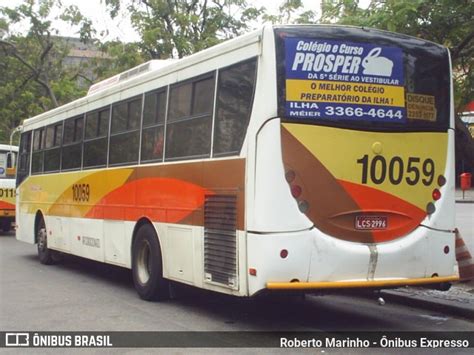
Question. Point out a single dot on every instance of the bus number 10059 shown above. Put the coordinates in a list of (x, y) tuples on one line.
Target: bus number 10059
[(81, 192), (378, 169)]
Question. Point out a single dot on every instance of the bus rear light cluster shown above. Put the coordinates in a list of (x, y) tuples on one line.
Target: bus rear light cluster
[(436, 194), (296, 191)]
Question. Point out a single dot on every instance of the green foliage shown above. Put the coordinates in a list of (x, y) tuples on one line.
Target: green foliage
[(176, 28), (118, 58), (34, 78), (291, 11), (448, 22)]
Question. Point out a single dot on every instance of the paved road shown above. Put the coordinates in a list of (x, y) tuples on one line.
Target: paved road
[(465, 223), (83, 295)]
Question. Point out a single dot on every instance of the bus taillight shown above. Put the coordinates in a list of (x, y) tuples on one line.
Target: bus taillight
[(436, 194), (296, 191)]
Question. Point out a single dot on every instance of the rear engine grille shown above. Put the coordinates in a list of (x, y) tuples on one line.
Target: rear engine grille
[(220, 242)]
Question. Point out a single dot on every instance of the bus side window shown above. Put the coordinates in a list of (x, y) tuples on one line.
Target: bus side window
[(37, 160), (23, 170), (125, 132), (52, 153), (72, 143), (95, 140), (189, 125), (10, 160), (154, 112), (234, 106)]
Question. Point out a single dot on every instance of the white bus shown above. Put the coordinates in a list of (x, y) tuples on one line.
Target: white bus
[(291, 158), (8, 155)]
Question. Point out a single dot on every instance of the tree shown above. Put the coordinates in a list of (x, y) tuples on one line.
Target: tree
[(176, 28), (33, 77), (291, 11), (448, 22)]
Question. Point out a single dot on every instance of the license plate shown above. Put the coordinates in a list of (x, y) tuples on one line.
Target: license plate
[(371, 222)]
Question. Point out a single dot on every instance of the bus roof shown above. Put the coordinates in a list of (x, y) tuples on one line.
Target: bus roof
[(154, 70), (7, 147)]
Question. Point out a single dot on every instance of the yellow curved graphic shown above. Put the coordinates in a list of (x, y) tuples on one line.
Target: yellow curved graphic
[(341, 151)]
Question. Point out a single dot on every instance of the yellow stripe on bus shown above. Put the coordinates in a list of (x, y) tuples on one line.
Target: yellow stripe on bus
[(344, 93), (340, 149), (359, 284)]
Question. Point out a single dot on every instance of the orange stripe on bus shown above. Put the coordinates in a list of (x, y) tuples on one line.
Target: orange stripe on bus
[(161, 199), (403, 216), (6, 206)]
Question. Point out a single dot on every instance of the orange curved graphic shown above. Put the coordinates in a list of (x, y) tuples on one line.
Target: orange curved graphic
[(6, 206), (403, 216), (161, 199)]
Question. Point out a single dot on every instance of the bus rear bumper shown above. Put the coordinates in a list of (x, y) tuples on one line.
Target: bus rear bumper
[(310, 260), (360, 284)]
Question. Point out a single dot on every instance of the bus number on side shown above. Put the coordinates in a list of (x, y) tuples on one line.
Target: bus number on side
[(7, 193), (378, 169), (81, 192)]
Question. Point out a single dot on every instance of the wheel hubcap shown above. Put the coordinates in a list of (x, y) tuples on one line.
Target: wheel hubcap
[(144, 262), (42, 241)]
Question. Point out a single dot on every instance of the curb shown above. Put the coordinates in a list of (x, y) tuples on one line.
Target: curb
[(438, 305)]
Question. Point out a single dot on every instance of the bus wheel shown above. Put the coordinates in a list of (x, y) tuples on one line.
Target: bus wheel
[(7, 225), (147, 266), (45, 255)]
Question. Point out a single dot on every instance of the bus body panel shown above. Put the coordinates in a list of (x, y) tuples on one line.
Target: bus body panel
[(275, 210), (94, 213), (7, 185), (316, 257)]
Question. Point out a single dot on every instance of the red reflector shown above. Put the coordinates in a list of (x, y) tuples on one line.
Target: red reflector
[(283, 253), (436, 194), (252, 271), (296, 191)]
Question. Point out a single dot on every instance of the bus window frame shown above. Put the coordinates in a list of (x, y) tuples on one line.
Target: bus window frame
[(78, 142), (97, 137), (156, 125), (205, 76), (55, 145), (127, 131)]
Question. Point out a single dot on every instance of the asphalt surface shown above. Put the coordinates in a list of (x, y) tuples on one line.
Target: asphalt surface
[(79, 294), (82, 295)]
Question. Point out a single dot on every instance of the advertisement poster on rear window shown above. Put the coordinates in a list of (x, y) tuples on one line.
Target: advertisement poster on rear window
[(344, 80)]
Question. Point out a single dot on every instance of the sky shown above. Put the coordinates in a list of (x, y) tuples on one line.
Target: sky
[(120, 28)]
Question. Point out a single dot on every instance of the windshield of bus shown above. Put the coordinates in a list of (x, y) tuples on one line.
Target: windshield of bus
[(7, 161), (361, 79)]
